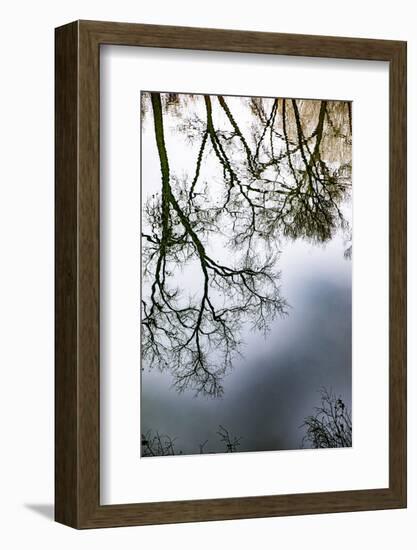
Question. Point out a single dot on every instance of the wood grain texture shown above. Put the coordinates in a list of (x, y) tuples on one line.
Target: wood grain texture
[(398, 273), (78, 285), (66, 237)]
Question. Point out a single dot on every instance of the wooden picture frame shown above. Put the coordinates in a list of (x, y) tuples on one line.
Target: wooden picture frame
[(77, 373)]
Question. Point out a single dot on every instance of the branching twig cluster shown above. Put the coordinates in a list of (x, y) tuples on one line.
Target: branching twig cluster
[(275, 182), (331, 425), (155, 444)]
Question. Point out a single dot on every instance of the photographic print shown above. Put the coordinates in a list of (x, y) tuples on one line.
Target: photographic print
[(246, 283)]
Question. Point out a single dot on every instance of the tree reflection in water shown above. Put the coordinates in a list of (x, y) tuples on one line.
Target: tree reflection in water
[(265, 171)]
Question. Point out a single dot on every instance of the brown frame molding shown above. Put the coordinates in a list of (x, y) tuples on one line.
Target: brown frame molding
[(77, 274)]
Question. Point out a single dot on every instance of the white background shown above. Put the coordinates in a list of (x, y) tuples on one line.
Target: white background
[(125, 478), (26, 295)]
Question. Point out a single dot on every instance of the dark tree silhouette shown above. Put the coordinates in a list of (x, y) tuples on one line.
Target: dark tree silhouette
[(231, 441), (197, 339), (283, 183), (283, 179), (155, 444), (330, 425)]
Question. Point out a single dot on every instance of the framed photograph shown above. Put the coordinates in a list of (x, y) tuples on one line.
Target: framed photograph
[(230, 274)]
